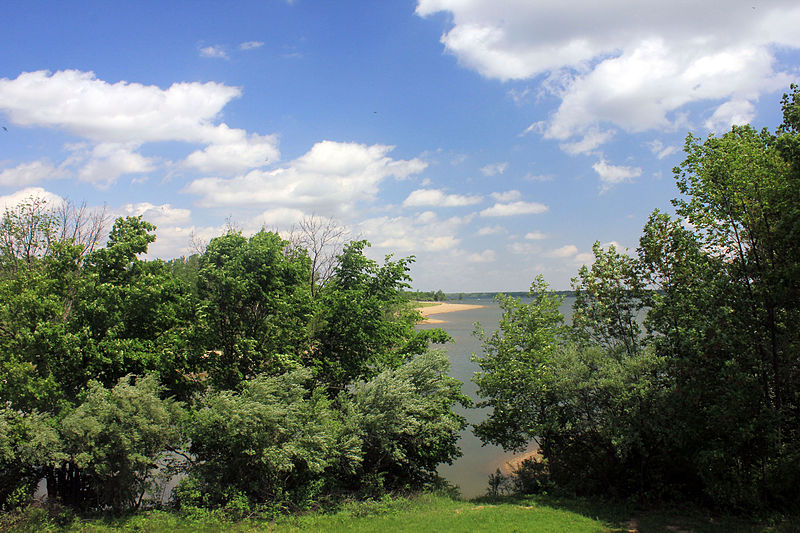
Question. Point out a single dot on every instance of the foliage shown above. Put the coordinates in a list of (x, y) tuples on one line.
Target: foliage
[(270, 442), (705, 403), (363, 323), (514, 368), (115, 439), (27, 441), (404, 418), (255, 306), (271, 350)]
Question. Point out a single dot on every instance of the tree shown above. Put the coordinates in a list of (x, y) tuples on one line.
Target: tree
[(323, 239), (705, 403), (255, 306), (364, 323), (513, 374)]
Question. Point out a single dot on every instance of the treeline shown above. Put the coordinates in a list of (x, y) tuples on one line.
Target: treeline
[(428, 296), (701, 402), (267, 382)]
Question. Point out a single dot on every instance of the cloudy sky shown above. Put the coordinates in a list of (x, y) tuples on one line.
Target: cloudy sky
[(492, 139)]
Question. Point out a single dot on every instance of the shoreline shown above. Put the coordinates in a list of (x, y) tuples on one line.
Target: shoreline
[(442, 308)]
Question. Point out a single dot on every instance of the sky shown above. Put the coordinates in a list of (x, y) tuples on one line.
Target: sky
[(494, 140)]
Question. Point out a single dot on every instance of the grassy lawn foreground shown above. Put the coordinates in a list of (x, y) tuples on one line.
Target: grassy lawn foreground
[(429, 513)]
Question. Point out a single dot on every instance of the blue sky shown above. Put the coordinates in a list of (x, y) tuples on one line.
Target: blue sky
[(494, 140)]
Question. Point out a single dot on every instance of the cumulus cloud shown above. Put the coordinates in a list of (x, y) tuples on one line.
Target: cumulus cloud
[(731, 113), (514, 208), (251, 45), (494, 169), (565, 251), (106, 162), (216, 51), (329, 179), (611, 175), (122, 112), (438, 198), (661, 151), (591, 140), (632, 64), (240, 154), (535, 236), (486, 256), (30, 173), (12, 200), (407, 234), (161, 215), (491, 230), (507, 196), (120, 117)]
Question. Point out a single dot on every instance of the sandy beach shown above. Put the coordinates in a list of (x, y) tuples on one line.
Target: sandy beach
[(441, 308)]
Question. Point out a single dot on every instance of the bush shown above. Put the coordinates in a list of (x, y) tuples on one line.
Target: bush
[(269, 443), (115, 440), (405, 419)]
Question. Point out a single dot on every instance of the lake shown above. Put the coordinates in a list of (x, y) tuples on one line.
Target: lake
[(471, 471)]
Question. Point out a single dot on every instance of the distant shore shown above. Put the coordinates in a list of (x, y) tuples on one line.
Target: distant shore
[(442, 307)]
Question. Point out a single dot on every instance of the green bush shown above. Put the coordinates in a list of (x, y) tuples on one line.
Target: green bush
[(270, 442), (115, 440), (406, 422), (27, 443)]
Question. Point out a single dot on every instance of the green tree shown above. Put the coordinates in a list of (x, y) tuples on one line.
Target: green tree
[(255, 306), (364, 322)]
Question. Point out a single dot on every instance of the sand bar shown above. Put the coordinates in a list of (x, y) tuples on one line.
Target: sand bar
[(441, 308)]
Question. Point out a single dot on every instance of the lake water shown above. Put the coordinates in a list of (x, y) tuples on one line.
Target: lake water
[(471, 471)]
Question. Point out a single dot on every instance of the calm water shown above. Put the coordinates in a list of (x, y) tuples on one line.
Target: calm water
[(471, 471)]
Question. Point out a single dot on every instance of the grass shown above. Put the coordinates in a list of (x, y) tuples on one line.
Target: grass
[(426, 513), (420, 305)]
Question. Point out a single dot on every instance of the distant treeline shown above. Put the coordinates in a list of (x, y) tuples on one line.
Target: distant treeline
[(440, 296)]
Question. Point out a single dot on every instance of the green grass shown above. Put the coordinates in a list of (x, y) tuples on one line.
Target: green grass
[(426, 513), (420, 305)]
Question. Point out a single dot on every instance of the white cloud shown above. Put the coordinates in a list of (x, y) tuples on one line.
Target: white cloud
[(329, 179), (437, 198), (585, 258), (278, 217), (539, 177), (494, 169), (514, 208), (507, 196), (216, 51), (486, 256), (12, 200), (661, 151), (162, 216), (535, 236), (611, 175), (426, 217), (241, 154), (565, 251), (406, 234), (491, 230), (591, 140), (251, 45), (524, 248), (106, 162), (629, 63), (122, 112), (731, 113), (30, 173)]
